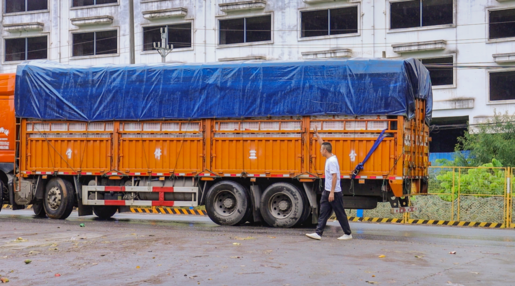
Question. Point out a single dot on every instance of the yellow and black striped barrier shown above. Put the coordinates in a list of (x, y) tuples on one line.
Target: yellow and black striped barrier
[(175, 211), (427, 221), (9, 207)]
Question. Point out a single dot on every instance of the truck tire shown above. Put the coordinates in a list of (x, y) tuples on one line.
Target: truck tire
[(39, 209), (104, 212), (59, 198), (306, 212), (282, 205), (228, 203), (1, 195)]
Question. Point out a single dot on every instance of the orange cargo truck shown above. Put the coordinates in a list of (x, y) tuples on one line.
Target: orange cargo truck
[(251, 168)]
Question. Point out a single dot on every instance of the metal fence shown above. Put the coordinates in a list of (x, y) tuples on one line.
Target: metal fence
[(478, 196)]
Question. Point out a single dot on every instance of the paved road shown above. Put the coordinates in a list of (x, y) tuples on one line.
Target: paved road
[(151, 249)]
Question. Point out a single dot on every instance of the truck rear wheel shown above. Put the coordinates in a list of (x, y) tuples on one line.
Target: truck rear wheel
[(39, 209), (104, 212), (227, 203), (282, 205), (59, 198)]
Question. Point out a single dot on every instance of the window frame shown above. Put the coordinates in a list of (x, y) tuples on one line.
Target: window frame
[(93, 6), (454, 71), (312, 9), (143, 52), (4, 13), (25, 37), (423, 28), (497, 102), (499, 40), (222, 18), (299, 22), (117, 54)]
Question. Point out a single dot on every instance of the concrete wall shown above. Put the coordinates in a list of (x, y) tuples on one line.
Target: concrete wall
[(466, 40)]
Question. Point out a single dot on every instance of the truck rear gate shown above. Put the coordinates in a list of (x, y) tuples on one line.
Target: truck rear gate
[(257, 168)]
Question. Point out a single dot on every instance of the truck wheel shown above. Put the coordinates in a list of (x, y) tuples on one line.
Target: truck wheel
[(59, 198), (282, 205), (1, 195), (227, 203), (38, 209), (104, 212)]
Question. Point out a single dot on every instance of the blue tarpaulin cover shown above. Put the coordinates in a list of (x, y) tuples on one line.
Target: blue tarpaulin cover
[(51, 91)]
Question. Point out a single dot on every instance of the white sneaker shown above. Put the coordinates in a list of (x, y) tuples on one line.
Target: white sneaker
[(345, 237), (314, 236)]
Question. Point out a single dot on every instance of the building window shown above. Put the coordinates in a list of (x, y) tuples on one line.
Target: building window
[(440, 70), (246, 30), (13, 6), (501, 24), (420, 13), (80, 3), (501, 86), (329, 22), (178, 35), (22, 49), (95, 43)]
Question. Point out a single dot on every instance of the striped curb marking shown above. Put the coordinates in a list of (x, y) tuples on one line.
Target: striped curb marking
[(425, 221), (174, 211)]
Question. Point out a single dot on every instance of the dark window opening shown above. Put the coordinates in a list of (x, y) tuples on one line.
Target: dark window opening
[(420, 13), (502, 24), (22, 49), (440, 70), (445, 132), (246, 30), (178, 35), (501, 85), (13, 6), (329, 22), (95, 43), (79, 3)]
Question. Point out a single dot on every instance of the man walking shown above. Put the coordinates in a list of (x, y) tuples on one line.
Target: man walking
[(332, 197)]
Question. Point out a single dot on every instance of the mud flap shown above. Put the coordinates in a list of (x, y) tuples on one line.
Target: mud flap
[(83, 209), (11, 199), (312, 198), (255, 196)]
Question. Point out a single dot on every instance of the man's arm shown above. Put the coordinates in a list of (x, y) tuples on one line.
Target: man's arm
[(320, 141), (333, 187)]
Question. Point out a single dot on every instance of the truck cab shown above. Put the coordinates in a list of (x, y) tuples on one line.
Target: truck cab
[(7, 126)]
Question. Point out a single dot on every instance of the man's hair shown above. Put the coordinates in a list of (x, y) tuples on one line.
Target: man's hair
[(327, 146)]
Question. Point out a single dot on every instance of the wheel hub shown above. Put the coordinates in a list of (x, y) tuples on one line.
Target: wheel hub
[(284, 205), (54, 198), (225, 203), (280, 205), (228, 203)]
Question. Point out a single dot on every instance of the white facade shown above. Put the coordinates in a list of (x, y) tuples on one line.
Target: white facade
[(466, 39)]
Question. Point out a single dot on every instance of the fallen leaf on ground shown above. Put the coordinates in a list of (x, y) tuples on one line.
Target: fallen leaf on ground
[(418, 256), (271, 237), (235, 257), (19, 238), (452, 252), (244, 238), (28, 261), (4, 280), (235, 243), (371, 282), (137, 267), (382, 256)]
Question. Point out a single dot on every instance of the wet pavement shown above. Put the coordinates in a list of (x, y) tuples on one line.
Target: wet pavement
[(152, 249)]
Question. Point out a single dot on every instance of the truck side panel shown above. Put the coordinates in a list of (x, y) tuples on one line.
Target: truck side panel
[(7, 120)]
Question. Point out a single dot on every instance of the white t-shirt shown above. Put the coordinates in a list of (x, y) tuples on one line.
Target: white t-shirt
[(332, 167)]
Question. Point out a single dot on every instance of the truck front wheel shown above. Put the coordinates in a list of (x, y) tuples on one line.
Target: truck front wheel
[(282, 205), (59, 198), (104, 212), (227, 203)]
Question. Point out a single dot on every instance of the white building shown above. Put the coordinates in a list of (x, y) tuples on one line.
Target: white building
[(476, 37)]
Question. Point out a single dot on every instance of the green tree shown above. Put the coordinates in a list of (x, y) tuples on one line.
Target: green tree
[(492, 139)]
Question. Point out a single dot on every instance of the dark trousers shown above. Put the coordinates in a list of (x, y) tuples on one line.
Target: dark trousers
[(326, 209)]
